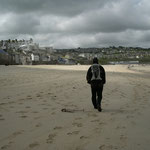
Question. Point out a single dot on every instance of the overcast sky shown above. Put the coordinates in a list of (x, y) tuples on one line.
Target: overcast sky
[(77, 23)]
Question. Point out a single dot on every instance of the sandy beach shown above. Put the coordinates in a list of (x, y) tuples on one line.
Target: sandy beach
[(31, 99)]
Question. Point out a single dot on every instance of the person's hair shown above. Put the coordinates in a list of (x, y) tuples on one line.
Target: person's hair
[(95, 60)]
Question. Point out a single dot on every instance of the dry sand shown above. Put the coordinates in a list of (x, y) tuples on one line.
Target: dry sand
[(31, 99)]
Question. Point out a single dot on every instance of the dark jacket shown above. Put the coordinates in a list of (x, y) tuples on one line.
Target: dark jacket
[(102, 74)]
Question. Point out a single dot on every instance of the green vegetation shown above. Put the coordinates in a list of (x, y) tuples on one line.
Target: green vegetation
[(145, 60), (104, 61)]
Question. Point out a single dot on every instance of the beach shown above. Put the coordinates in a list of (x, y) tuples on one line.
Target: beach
[(32, 97)]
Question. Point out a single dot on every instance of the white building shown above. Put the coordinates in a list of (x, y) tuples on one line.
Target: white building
[(35, 57)]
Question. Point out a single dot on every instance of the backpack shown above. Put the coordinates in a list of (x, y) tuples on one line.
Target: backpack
[(95, 69)]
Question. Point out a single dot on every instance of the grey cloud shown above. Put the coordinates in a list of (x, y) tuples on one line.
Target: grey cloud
[(20, 24), (20, 6), (74, 23), (58, 7), (112, 19), (144, 37)]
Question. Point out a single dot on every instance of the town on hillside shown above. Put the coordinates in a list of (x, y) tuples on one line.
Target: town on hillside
[(27, 52)]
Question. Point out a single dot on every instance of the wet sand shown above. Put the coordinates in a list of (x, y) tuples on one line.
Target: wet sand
[(31, 99)]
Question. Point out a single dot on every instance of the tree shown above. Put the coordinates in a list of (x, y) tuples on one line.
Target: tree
[(9, 40)]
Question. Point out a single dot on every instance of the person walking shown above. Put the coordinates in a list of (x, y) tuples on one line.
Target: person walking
[(96, 78)]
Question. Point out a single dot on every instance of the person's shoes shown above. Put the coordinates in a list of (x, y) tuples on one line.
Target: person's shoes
[(99, 109)]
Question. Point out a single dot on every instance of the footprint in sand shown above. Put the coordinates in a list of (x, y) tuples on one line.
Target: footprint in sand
[(2, 119), (53, 113), (77, 124), (29, 97), (20, 103), (73, 133), (49, 93), (11, 107), (95, 120), (27, 107), (38, 95), (83, 137), (102, 147), (1, 104), (42, 104), (57, 128), (23, 116), (102, 123), (38, 125), (15, 134), (35, 144), (123, 138), (107, 147), (5, 146), (50, 138), (79, 118)]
